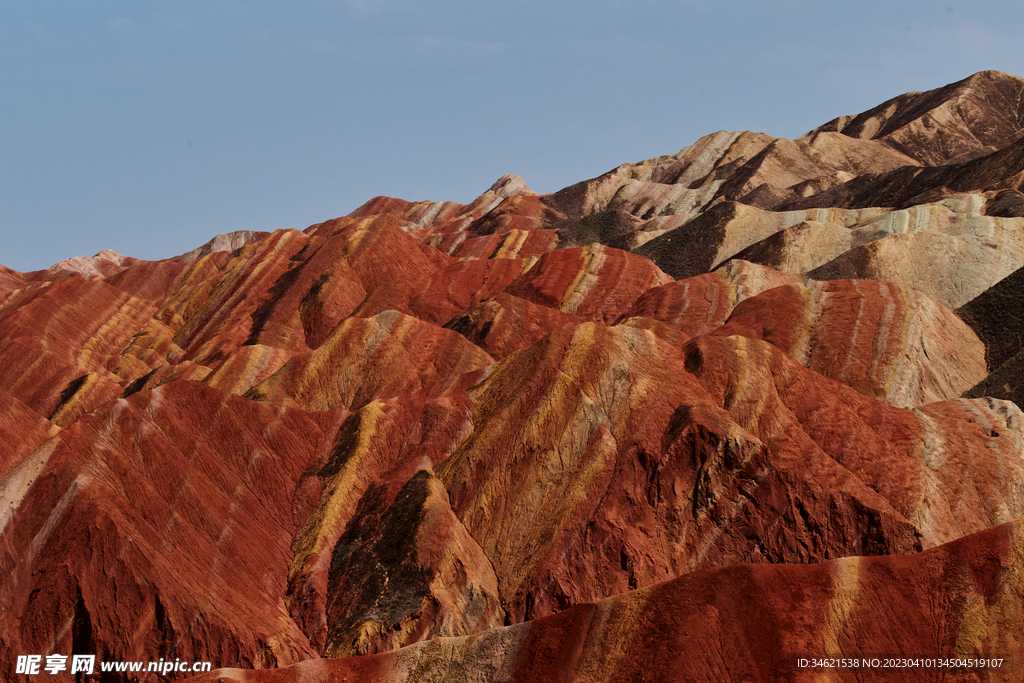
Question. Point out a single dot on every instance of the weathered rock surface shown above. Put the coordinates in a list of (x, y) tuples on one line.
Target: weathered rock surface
[(613, 400), (510, 185), (951, 267), (910, 185), (226, 241), (996, 316), (366, 358), (683, 421), (10, 280), (107, 262), (444, 584), (970, 118), (61, 341), (21, 431), (700, 627), (505, 323), (695, 306), (596, 282), (447, 292), (884, 340), (801, 241), (700, 304), (134, 531)]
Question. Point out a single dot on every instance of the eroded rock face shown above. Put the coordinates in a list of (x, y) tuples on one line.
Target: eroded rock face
[(885, 341), (446, 292), (505, 323), (686, 421), (62, 343), (21, 430), (595, 282), (387, 355), (700, 626), (169, 517), (417, 568), (965, 112)]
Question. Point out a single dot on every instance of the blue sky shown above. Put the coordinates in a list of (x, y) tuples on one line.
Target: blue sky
[(148, 128)]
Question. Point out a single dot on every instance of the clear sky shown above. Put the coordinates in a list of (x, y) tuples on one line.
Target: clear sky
[(149, 127)]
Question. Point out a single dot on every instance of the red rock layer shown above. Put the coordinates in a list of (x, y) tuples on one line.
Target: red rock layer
[(246, 367), (224, 320), (446, 292), (506, 324), (443, 582), (308, 301), (377, 474), (628, 471), (56, 333), (149, 280), (634, 429), (883, 340), (695, 306), (511, 244), (942, 602), (367, 358), (157, 527), (21, 431), (422, 213), (597, 283), (380, 253), (519, 212), (10, 280)]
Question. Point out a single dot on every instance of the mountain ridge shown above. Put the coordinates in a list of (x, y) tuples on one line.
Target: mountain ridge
[(599, 433)]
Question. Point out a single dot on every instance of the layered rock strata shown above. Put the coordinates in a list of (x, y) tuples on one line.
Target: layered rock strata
[(687, 420)]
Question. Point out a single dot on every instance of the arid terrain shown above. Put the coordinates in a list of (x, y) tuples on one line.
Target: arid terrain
[(691, 420)]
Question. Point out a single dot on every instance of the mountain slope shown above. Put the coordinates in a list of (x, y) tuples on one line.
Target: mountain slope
[(687, 420)]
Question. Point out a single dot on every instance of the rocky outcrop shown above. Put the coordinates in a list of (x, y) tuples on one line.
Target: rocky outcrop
[(168, 515), (226, 241), (366, 358), (885, 341), (414, 574), (700, 626), (596, 282), (687, 420), (105, 263), (967, 119), (510, 185)]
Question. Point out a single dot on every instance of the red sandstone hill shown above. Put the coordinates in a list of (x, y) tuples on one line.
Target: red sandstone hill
[(690, 420)]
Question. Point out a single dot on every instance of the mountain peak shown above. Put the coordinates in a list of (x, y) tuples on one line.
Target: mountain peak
[(510, 185), (957, 122), (582, 435)]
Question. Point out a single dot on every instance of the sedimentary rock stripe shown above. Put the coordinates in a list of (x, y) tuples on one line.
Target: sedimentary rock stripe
[(368, 358), (938, 602), (595, 282), (882, 339), (183, 468)]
